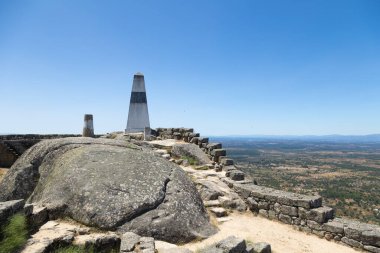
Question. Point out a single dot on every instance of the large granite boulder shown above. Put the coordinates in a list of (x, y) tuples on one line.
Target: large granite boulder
[(109, 184)]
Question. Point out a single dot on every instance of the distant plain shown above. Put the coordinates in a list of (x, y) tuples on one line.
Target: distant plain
[(344, 171)]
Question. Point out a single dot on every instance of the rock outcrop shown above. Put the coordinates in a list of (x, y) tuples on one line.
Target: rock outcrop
[(109, 184), (192, 151)]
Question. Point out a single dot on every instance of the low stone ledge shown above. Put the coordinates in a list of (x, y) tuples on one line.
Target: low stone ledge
[(8, 208)]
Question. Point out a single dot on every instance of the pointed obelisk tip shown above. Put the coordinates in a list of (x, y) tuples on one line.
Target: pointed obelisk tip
[(139, 74)]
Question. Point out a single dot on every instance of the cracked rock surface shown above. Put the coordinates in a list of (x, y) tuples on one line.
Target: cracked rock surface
[(112, 185)]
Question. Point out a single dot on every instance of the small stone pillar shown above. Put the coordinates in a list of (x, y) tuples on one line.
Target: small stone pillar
[(147, 135), (88, 128)]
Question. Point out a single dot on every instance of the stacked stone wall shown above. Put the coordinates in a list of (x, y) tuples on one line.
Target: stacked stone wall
[(304, 212), (14, 145)]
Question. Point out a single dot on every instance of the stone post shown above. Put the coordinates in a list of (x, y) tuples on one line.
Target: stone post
[(147, 134), (88, 128)]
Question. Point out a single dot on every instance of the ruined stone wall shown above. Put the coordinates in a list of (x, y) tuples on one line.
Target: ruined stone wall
[(305, 213), (13, 146)]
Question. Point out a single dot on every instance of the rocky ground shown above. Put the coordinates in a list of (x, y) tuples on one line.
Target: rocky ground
[(172, 218)]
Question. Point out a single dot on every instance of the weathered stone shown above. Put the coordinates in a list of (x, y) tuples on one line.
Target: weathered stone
[(252, 204), (289, 210), (194, 140), (264, 213), (8, 208), (306, 229), (237, 175), (51, 234), (320, 234), (218, 211), (262, 247), (39, 217), (218, 152), (211, 203), (203, 140), (146, 245), (139, 191), (321, 214), (209, 190), (272, 215), (99, 242), (285, 218), (263, 205), (314, 225), (212, 146), (372, 249), (128, 242), (232, 244), (226, 161), (329, 236), (371, 237), (352, 242), (190, 150), (296, 221), (28, 209), (334, 226)]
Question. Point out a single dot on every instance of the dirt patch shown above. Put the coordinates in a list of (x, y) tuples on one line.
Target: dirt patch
[(282, 237)]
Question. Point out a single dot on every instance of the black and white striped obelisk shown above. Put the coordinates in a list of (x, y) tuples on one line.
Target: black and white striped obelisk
[(138, 117)]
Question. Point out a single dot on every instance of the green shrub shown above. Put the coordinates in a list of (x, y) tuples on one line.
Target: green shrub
[(15, 234), (191, 160)]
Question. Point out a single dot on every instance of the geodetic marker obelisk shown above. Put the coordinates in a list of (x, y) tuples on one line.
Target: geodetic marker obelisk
[(138, 117)]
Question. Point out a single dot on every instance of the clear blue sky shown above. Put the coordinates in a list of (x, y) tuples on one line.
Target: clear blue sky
[(223, 67)]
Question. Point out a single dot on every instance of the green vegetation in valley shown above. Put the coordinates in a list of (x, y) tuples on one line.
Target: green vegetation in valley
[(346, 175)]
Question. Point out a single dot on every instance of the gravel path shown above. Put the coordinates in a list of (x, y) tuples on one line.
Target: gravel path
[(283, 238)]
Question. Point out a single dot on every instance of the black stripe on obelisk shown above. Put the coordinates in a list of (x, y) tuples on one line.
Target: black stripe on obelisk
[(138, 97)]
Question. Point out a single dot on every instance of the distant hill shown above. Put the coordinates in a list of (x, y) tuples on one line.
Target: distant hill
[(318, 138)]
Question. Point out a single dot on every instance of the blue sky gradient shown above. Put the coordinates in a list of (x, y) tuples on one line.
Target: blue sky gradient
[(223, 67)]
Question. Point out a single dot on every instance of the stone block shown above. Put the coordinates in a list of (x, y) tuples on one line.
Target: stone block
[(289, 210), (128, 242), (285, 218), (320, 214), (352, 242), (371, 237), (237, 175), (219, 211), (263, 213), (314, 225), (218, 152), (232, 244), (244, 190), (264, 205), (212, 146), (203, 140), (225, 161), (372, 249), (8, 208), (252, 204), (334, 226), (261, 247)]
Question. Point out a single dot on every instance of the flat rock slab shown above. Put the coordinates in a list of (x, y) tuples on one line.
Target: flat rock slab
[(190, 150), (8, 208), (50, 235), (219, 211), (164, 144)]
